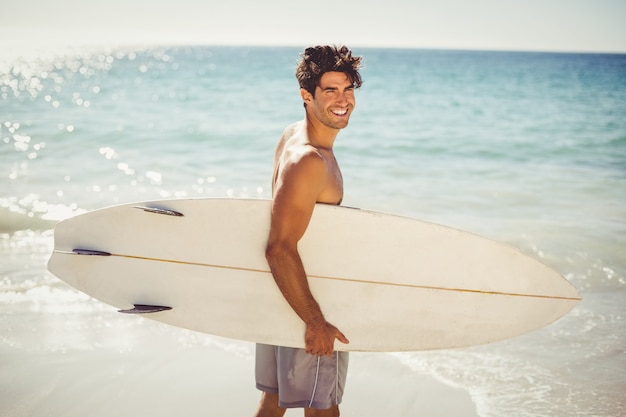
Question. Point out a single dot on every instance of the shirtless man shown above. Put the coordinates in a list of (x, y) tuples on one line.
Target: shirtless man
[(306, 173)]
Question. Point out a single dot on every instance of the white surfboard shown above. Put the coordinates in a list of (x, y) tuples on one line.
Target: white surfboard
[(389, 283)]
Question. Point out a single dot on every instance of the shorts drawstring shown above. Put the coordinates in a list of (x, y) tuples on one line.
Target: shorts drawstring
[(317, 374)]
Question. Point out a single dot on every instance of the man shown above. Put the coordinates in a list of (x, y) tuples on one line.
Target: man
[(306, 173)]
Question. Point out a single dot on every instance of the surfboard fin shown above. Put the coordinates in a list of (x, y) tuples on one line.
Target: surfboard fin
[(145, 309), (90, 252), (158, 210)]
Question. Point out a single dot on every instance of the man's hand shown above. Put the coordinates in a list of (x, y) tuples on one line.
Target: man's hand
[(320, 339)]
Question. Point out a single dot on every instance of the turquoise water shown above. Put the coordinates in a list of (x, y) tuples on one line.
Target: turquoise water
[(525, 148)]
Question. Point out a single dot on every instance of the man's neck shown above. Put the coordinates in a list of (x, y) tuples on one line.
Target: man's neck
[(320, 135)]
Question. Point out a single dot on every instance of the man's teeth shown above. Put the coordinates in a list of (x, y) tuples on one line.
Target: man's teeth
[(340, 112)]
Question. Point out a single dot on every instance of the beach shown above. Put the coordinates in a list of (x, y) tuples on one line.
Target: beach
[(200, 381), (524, 148)]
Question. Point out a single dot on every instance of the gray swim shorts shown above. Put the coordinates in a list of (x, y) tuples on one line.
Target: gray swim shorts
[(301, 380)]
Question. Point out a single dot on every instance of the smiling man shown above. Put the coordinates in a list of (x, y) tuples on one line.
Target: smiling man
[(306, 173)]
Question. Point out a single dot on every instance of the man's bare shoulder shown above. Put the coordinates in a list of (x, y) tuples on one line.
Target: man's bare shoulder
[(297, 162), (302, 156), (295, 148)]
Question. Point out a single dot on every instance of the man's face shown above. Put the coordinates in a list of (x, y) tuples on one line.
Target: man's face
[(334, 100)]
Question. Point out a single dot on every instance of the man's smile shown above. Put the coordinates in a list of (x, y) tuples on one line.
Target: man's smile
[(340, 112)]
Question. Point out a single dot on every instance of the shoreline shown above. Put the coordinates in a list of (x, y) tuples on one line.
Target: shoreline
[(196, 379)]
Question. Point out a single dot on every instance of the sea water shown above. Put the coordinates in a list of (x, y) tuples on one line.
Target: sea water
[(525, 148)]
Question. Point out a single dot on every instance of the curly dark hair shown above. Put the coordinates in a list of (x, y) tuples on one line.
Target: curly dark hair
[(318, 60)]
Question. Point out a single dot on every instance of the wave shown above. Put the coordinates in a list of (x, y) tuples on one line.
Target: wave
[(11, 222), (42, 217)]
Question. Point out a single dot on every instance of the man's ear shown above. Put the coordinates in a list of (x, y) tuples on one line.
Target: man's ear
[(306, 96)]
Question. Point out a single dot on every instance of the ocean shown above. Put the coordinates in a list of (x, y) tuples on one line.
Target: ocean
[(525, 148)]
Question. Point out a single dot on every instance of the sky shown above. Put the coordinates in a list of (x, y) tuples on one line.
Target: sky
[(536, 25)]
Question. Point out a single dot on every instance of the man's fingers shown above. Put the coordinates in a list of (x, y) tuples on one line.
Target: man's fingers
[(342, 338), (323, 345)]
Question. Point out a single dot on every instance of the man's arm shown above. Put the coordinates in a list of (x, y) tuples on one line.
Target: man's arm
[(295, 196)]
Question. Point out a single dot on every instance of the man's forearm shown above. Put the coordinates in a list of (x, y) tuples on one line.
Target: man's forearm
[(291, 279)]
